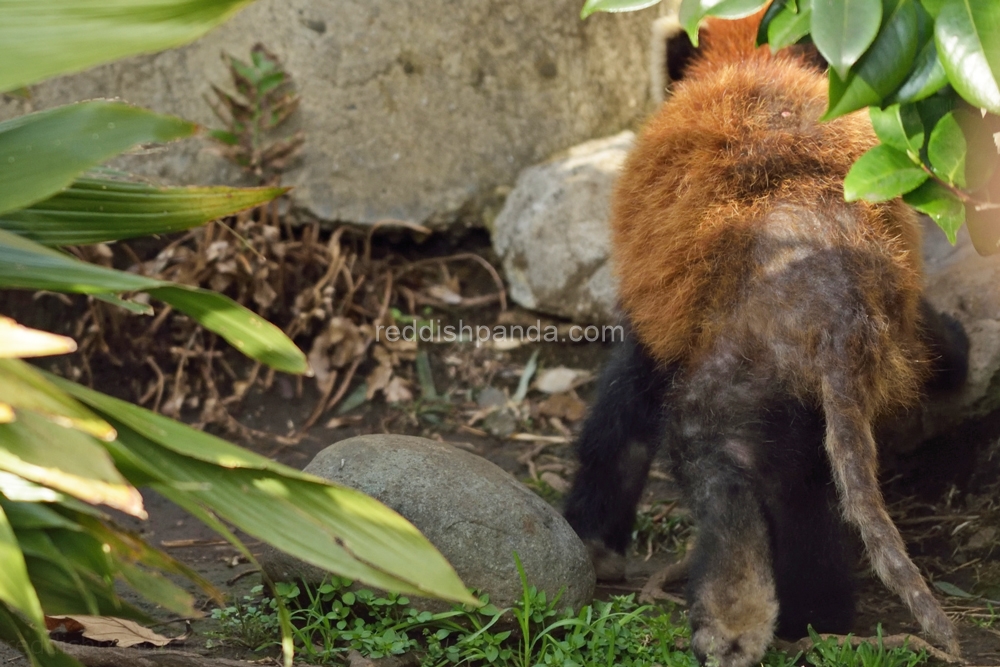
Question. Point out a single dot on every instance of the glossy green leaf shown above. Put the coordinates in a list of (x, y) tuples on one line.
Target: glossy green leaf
[(42, 39), (15, 588), (100, 210), (25, 264), (43, 152), (933, 7), (788, 27), (899, 127), (940, 204), (693, 11), (24, 388), (946, 150), (66, 460), (248, 332), (130, 306), (327, 525), (926, 78), (591, 6), (843, 30), (882, 173), (967, 34), (882, 68)]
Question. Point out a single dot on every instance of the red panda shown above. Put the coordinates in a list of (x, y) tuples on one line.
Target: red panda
[(771, 325)]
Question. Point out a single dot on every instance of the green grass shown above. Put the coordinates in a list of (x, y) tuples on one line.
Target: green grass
[(332, 619)]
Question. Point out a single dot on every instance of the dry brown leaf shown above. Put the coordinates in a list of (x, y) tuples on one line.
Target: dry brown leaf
[(563, 406), (118, 631), (560, 379), (397, 391), (378, 380), (557, 482), (444, 293)]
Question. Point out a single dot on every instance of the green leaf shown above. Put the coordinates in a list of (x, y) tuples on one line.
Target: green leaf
[(967, 34), (788, 27), (882, 68), (843, 30), (926, 78), (981, 158), (43, 152), (591, 6), (882, 173), (22, 387), (899, 127), (933, 7), (946, 150), (15, 588), (25, 264), (33, 640), (953, 590), (693, 11), (940, 204), (42, 39), (248, 332), (66, 460), (327, 525), (100, 210)]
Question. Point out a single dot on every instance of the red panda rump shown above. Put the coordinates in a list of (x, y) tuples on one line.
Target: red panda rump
[(739, 141)]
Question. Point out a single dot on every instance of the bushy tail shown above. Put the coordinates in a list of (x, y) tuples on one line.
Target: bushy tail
[(851, 449)]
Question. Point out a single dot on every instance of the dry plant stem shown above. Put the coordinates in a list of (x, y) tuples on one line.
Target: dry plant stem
[(320, 405), (156, 388), (501, 290), (911, 642)]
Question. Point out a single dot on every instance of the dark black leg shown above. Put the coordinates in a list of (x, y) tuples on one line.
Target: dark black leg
[(619, 438)]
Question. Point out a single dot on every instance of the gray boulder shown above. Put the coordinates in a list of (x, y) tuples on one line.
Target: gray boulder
[(553, 232), (411, 110), (963, 284), (476, 514)]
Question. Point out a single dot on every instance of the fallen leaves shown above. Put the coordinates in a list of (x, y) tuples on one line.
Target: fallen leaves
[(106, 629)]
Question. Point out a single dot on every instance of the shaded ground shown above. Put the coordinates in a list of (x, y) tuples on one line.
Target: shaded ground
[(944, 497)]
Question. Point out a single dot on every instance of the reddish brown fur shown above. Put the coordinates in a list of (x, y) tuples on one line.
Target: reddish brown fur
[(732, 240), (723, 152)]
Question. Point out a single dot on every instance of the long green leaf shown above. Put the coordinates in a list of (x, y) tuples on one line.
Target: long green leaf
[(248, 332), (844, 29), (926, 78), (22, 387), (899, 127), (591, 6), (967, 34), (330, 526), (693, 11), (882, 173), (941, 205), (42, 39), (15, 587), (882, 68), (788, 27), (25, 264), (43, 152), (66, 460), (946, 150), (33, 640), (99, 210)]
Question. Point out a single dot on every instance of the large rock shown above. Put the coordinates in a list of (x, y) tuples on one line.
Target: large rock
[(412, 110), (476, 514), (553, 232), (963, 284)]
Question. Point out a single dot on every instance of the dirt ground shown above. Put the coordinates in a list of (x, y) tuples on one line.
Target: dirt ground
[(943, 497)]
